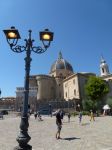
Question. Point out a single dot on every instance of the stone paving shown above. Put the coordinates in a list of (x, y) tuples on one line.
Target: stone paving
[(87, 136)]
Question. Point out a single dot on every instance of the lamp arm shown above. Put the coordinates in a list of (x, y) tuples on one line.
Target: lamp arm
[(48, 44), (38, 49), (17, 48)]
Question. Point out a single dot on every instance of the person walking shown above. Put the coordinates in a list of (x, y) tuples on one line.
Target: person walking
[(39, 117), (59, 124), (35, 115), (80, 117), (91, 116), (62, 114), (69, 115)]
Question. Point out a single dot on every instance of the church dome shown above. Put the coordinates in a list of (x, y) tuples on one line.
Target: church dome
[(61, 63)]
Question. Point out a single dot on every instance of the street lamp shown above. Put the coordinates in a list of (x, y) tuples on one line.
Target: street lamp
[(0, 94), (12, 36)]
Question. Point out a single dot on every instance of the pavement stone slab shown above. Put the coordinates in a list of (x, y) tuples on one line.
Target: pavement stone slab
[(95, 135)]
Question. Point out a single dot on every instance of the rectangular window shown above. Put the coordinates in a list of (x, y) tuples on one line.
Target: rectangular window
[(66, 94), (66, 84), (74, 81)]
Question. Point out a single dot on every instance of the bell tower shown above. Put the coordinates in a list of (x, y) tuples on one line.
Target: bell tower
[(104, 69)]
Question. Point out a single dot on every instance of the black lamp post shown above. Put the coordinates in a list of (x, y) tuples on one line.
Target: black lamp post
[(12, 36), (0, 94)]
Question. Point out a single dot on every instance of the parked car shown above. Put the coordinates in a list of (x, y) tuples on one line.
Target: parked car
[(43, 112), (1, 115), (4, 112)]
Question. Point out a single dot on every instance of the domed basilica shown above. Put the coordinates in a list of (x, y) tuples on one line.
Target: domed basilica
[(60, 86)]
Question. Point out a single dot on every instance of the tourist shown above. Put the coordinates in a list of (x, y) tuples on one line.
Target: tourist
[(39, 117), (91, 116), (35, 115), (80, 117), (61, 114), (59, 124), (69, 115)]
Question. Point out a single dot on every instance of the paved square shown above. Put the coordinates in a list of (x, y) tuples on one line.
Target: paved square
[(88, 136)]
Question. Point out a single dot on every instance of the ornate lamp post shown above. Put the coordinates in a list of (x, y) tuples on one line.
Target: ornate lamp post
[(0, 94), (12, 36)]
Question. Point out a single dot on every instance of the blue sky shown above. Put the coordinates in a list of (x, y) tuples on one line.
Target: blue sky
[(82, 31)]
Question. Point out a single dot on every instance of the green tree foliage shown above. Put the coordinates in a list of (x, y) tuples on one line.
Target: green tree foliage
[(109, 102), (89, 104), (96, 88)]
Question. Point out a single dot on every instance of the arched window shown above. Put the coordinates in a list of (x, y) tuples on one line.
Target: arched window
[(103, 70)]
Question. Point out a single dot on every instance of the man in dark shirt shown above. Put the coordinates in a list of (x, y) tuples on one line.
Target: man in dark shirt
[(59, 124)]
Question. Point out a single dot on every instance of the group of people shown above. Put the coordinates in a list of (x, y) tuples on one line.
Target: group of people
[(91, 116), (59, 116), (59, 120)]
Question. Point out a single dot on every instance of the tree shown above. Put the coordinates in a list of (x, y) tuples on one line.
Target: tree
[(109, 102), (96, 88), (88, 105)]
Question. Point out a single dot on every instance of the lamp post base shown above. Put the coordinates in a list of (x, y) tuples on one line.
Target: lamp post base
[(27, 147), (23, 137)]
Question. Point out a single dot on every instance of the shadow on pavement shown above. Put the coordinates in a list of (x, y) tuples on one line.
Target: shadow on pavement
[(68, 122), (85, 124), (70, 139)]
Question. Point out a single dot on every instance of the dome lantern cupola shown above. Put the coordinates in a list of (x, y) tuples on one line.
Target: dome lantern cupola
[(60, 55)]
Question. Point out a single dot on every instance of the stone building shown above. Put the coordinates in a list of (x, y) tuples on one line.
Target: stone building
[(7, 103), (61, 85)]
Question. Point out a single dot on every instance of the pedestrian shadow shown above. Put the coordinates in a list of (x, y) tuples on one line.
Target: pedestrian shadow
[(68, 121), (70, 138), (85, 124)]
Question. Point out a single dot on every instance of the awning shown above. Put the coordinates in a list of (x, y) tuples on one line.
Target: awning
[(106, 107)]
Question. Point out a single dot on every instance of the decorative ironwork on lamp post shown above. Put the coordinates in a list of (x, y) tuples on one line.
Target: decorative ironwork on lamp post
[(0, 94), (12, 36)]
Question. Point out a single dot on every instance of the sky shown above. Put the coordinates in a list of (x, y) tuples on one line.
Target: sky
[(82, 32)]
